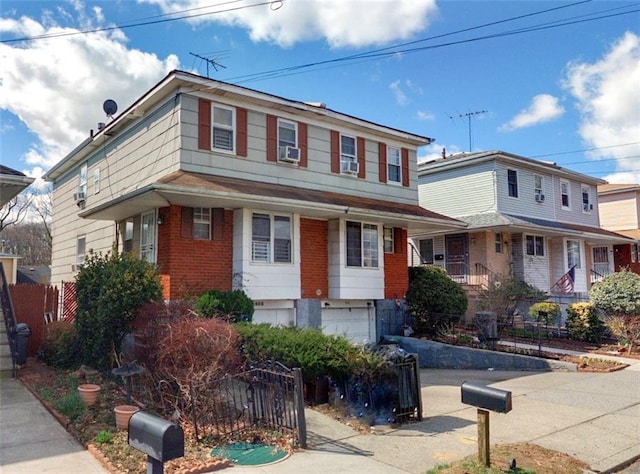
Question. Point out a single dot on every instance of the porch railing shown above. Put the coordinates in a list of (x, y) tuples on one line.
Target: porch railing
[(8, 314), (599, 272)]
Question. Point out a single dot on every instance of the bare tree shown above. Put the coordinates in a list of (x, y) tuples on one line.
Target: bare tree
[(14, 212)]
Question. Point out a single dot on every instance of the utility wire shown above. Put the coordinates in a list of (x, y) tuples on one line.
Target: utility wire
[(583, 150), (145, 23)]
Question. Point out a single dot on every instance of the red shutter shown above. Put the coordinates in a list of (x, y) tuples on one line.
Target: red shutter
[(302, 143), (217, 223), (405, 167), (272, 138), (204, 124), (360, 150), (382, 162), (187, 222), (241, 134), (335, 152)]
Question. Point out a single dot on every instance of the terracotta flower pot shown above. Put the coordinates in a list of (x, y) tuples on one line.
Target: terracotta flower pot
[(123, 413), (89, 393)]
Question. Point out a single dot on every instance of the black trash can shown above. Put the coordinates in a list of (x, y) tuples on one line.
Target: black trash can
[(21, 335)]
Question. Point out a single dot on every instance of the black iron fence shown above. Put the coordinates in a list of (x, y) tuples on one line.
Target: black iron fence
[(269, 396)]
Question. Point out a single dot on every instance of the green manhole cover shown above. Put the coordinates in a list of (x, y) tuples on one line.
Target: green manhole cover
[(244, 453)]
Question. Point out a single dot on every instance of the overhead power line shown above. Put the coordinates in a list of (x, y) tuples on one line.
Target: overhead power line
[(149, 21), (585, 149)]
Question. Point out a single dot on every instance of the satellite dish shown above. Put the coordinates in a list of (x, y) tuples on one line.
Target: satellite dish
[(110, 107)]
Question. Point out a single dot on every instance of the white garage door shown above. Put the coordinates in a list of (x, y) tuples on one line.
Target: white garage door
[(275, 317), (354, 323)]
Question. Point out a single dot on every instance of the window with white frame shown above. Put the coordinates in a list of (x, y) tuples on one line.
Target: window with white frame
[(565, 191), (148, 236), (537, 186), (96, 181), (426, 251), (222, 127), (387, 235), (573, 253), (362, 245), (348, 158), (82, 180), (271, 238), (586, 198), (81, 250), (512, 183), (535, 245), (202, 223), (634, 253), (128, 235), (288, 150), (394, 165), (498, 242)]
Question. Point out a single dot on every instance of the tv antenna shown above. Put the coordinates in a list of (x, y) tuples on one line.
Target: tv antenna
[(468, 116), (210, 62)]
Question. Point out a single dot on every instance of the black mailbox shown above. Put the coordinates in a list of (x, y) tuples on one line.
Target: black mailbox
[(156, 437), (485, 397)]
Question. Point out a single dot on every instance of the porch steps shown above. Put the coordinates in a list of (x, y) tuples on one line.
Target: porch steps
[(6, 362)]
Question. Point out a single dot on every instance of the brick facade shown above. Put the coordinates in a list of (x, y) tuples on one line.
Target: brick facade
[(396, 271), (314, 259), (190, 266)]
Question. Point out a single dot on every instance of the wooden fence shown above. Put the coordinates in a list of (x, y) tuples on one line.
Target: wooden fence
[(30, 303)]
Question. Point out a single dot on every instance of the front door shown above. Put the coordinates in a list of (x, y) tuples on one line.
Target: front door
[(148, 236), (600, 263), (457, 256)]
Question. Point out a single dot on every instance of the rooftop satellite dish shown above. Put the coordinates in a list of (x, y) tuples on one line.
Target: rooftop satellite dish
[(110, 107)]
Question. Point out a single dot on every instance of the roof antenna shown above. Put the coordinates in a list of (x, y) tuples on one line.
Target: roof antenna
[(468, 115), (213, 62)]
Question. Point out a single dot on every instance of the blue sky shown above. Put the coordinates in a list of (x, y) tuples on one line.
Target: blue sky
[(551, 80)]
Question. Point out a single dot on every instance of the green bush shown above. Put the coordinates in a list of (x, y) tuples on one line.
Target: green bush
[(506, 294), (110, 290), (617, 294), (59, 347), (433, 299), (232, 305), (315, 353), (550, 310), (583, 322), (70, 406)]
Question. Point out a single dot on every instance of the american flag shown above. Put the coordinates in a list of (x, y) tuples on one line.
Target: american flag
[(565, 284)]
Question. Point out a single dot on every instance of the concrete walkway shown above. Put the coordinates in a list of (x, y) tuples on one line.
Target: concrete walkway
[(32, 441), (593, 417)]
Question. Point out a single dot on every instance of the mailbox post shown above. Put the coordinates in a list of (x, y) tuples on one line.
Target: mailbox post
[(158, 438), (485, 399)]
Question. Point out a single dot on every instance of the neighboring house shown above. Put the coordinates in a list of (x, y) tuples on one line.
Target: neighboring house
[(29, 275), (527, 218), (619, 206), (12, 183), (304, 208)]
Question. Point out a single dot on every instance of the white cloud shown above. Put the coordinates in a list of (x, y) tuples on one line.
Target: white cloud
[(422, 115), (56, 86), (435, 151), (543, 108), (608, 99), (352, 23), (398, 93)]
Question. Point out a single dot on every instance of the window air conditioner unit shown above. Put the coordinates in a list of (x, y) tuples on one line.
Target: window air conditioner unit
[(587, 207), (539, 197), (350, 167), (289, 154), (78, 197)]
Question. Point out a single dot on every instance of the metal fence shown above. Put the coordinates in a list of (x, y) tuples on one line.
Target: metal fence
[(269, 396)]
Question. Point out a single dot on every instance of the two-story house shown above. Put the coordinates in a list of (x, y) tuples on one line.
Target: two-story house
[(527, 218), (619, 206), (304, 208)]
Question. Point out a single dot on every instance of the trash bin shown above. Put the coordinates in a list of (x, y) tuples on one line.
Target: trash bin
[(21, 335)]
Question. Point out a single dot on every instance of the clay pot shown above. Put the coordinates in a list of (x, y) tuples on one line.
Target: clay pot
[(89, 393), (123, 413)]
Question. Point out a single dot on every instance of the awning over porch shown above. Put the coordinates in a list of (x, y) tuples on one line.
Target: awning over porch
[(202, 190), (500, 222)]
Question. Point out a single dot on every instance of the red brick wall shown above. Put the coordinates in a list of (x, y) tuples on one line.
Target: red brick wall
[(189, 267), (396, 271), (314, 258)]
